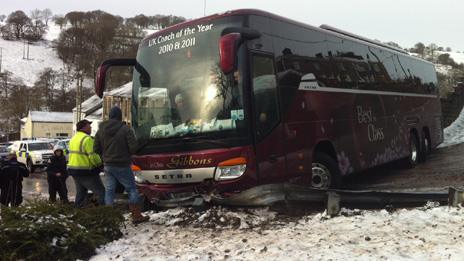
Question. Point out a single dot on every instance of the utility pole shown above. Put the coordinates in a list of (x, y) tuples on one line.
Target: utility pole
[(28, 49), (1, 56), (78, 96), (204, 8)]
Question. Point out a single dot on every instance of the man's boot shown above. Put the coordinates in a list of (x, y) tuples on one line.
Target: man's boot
[(137, 216)]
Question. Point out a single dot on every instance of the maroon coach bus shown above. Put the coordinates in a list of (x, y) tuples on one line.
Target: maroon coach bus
[(230, 101)]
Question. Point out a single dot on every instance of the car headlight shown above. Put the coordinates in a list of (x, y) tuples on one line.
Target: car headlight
[(36, 155), (138, 174), (230, 169)]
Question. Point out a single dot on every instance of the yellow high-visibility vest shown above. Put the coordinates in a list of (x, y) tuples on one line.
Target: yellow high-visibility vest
[(81, 154)]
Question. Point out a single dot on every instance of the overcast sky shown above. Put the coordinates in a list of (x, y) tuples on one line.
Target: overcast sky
[(403, 21)]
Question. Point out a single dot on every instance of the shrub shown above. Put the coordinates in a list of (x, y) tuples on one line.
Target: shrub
[(44, 231)]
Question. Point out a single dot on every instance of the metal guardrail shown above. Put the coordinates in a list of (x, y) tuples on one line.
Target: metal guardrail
[(266, 195)]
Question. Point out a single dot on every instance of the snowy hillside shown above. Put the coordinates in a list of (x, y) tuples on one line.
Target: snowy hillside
[(41, 56), (457, 57)]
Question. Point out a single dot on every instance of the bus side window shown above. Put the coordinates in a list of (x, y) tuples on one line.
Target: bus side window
[(265, 95)]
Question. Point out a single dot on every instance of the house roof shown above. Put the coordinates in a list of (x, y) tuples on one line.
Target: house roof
[(51, 116), (124, 91), (91, 104), (94, 103)]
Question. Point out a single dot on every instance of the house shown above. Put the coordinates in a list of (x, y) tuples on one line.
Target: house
[(121, 97), (96, 110), (45, 124)]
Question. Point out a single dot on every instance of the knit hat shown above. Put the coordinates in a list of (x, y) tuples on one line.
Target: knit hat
[(115, 113), (81, 124)]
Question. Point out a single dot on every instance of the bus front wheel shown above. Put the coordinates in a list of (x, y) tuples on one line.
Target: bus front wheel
[(325, 172)]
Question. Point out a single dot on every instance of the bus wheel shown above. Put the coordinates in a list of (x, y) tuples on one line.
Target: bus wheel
[(425, 147), (325, 172), (148, 205), (413, 158)]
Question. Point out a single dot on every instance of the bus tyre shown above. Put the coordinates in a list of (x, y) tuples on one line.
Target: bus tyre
[(148, 205), (424, 148), (325, 172), (413, 158)]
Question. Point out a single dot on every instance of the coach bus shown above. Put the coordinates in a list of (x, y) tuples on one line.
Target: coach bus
[(235, 100)]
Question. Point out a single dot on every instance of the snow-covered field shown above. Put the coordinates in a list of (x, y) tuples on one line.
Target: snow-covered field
[(41, 56)]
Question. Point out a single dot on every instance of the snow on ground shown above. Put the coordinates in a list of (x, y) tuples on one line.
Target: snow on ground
[(454, 134), (53, 32), (458, 57), (428, 233), (443, 69), (41, 56)]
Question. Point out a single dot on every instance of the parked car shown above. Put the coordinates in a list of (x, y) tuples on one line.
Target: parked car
[(33, 153), (3, 153)]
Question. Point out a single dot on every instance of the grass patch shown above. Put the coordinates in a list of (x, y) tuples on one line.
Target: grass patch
[(43, 231)]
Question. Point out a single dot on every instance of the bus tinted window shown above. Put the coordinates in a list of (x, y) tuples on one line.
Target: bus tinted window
[(265, 95)]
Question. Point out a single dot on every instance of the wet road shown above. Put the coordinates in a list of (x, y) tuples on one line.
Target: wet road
[(36, 186), (444, 168)]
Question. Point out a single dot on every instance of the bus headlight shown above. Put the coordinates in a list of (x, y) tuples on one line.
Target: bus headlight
[(137, 171), (230, 169)]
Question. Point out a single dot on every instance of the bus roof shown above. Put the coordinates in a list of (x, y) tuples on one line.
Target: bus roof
[(323, 29)]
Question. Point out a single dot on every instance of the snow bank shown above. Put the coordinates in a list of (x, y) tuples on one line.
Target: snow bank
[(215, 217), (454, 133), (428, 233)]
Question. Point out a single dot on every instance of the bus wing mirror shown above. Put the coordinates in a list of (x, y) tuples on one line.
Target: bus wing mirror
[(103, 69), (230, 41), (228, 46)]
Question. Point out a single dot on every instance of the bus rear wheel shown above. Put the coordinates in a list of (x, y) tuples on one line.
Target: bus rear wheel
[(413, 158), (425, 147), (325, 172)]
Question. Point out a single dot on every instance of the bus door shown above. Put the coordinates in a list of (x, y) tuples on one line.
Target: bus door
[(268, 132)]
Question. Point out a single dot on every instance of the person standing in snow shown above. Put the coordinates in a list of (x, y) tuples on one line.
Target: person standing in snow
[(57, 175), (11, 176), (85, 165), (116, 143)]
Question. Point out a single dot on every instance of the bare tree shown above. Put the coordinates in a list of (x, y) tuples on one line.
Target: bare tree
[(432, 48), (46, 15), (35, 15)]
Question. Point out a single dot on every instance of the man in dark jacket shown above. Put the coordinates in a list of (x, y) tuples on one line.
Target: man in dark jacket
[(12, 174), (116, 142), (57, 175)]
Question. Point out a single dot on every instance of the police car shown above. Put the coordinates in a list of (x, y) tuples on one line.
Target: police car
[(33, 153)]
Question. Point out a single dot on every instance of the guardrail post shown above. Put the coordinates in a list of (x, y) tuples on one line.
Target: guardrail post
[(333, 203), (455, 197)]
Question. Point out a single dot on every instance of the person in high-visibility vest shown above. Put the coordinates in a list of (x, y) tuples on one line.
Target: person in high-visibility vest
[(85, 165)]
